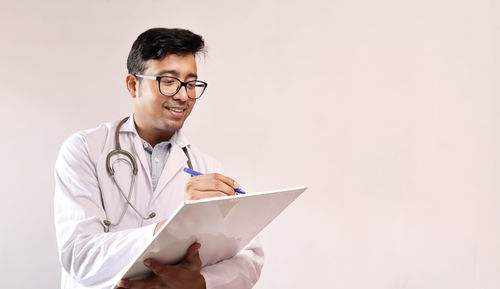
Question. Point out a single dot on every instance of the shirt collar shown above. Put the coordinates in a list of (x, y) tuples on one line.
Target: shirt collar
[(178, 138)]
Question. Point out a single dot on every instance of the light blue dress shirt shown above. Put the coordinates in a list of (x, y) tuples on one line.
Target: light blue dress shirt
[(157, 157)]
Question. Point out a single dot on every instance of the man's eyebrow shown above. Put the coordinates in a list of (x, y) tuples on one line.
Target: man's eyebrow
[(176, 73)]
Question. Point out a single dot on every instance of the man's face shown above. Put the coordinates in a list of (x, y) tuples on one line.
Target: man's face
[(156, 112)]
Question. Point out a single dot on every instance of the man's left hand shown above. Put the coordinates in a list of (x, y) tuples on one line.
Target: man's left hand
[(185, 275)]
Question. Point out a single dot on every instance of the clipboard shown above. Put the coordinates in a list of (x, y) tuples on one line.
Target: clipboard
[(222, 225)]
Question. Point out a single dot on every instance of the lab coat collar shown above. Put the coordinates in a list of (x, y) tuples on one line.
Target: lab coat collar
[(129, 125)]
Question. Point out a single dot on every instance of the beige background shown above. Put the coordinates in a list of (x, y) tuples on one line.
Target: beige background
[(388, 110)]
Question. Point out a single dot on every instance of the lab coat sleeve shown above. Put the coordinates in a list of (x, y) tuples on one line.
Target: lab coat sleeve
[(88, 254), (239, 272)]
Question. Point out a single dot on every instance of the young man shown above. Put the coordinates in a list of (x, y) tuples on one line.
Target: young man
[(116, 184)]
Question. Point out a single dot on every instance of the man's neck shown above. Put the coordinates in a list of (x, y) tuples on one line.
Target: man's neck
[(153, 136)]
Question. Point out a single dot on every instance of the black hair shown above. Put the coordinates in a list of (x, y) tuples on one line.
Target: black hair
[(156, 43)]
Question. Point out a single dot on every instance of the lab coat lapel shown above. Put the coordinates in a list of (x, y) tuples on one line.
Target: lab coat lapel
[(176, 161), (139, 152), (136, 143)]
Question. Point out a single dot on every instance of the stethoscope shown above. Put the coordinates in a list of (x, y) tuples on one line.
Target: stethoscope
[(128, 158)]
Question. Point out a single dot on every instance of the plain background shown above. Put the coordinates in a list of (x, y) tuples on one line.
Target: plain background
[(388, 110)]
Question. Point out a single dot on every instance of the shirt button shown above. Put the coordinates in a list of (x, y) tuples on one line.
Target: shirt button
[(157, 160), (145, 145)]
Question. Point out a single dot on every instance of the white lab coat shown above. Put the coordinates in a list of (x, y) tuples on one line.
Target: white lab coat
[(85, 196)]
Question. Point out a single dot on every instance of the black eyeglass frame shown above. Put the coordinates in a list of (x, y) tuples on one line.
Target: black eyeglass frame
[(158, 79)]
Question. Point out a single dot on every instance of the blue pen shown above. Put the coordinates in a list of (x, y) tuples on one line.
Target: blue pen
[(195, 173)]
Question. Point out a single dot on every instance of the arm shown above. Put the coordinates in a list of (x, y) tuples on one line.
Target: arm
[(88, 254)]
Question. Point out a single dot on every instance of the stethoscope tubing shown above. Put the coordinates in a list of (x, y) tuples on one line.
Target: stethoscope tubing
[(130, 160)]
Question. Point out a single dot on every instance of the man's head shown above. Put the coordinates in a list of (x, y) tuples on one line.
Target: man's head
[(162, 52), (156, 43)]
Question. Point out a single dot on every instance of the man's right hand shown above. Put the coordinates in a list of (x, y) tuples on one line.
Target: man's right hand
[(210, 185)]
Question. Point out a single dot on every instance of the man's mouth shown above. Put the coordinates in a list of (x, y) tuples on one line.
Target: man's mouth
[(176, 111)]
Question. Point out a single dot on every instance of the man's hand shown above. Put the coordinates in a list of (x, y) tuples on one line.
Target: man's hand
[(158, 226), (210, 185), (185, 275)]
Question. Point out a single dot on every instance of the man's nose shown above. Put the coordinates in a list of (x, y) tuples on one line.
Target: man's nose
[(181, 94)]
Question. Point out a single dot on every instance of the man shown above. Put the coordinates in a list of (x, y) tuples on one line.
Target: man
[(108, 206)]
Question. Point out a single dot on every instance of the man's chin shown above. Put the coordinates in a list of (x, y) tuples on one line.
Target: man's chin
[(172, 126)]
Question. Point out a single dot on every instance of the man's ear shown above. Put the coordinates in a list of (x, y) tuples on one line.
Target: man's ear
[(132, 85)]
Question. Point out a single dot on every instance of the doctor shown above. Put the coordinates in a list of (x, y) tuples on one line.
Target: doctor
[(108, 206)]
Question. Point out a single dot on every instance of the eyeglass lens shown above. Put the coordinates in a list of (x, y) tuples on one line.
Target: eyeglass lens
[(170, 86)]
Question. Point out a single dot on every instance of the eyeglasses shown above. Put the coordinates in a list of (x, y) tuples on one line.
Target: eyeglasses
[(170, 86)]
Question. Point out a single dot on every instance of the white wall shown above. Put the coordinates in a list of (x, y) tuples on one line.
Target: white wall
[(388, 110)]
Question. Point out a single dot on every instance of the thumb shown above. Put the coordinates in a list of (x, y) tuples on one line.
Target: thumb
[(193, 255)]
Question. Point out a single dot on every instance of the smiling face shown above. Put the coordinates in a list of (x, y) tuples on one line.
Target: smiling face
[(157, 116)]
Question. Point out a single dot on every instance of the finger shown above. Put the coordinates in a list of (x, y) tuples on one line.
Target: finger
[(212, 184), (192, 252), (192, 257), (140, 284), (197, 195), (161, 270), (229, 181)]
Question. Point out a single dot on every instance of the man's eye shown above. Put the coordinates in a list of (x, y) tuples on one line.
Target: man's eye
[(167, 82)]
